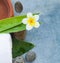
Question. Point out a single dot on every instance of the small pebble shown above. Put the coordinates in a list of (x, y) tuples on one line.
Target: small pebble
[(19, 59), (13, 60), (30, 56), (18, 7)]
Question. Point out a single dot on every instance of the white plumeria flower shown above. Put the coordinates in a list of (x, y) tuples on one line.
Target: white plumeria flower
[(31, 21)]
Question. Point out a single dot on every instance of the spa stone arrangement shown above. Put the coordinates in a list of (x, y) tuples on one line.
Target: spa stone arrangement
[(13, 44)]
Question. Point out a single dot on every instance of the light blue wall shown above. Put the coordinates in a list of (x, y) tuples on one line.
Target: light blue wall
[(47, 37)]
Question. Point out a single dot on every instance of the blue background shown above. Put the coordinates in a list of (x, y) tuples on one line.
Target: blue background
[(47, 37)]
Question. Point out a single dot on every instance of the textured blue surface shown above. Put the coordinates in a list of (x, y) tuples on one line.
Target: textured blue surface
[(47, 37)]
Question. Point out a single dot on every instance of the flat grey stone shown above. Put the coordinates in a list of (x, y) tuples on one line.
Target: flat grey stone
[(19, 59), (30, 56)]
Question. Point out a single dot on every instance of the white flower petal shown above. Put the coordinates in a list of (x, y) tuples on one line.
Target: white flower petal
[(36, 17), (28, 27), (29, 14), (24, 21), (37, 25)]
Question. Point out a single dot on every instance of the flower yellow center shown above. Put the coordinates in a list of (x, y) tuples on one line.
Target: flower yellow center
[(31, 21)]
